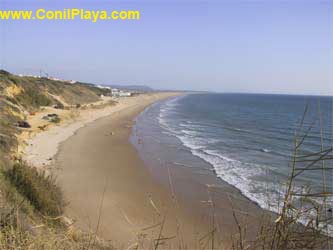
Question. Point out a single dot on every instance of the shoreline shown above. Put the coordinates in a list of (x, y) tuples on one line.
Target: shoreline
[(111, 191), (35, 148), (121, 203), (201, 192)]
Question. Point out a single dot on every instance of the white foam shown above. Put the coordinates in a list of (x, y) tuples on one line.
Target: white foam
[(243, 177), (238, 174), (265, 150), (189, 132), (251, 179)]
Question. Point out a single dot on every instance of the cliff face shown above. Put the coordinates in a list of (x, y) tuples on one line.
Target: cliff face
[(22, 95), (25, 193)]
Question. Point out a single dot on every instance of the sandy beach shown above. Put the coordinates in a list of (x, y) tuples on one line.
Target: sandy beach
[(112, 192), (107, 186), (39, 147)]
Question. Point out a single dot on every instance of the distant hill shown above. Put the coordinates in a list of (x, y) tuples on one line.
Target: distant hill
[(140, 88)]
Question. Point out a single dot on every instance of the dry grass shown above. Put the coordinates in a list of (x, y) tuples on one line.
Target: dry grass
[(30, 201), (46, 238), (41, 190), (31, 204), (303, 220), (31, 215)]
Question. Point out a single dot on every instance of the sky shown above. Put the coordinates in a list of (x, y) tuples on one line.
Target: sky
[(213, 45)]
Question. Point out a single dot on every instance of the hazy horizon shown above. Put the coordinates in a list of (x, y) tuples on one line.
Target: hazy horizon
[(219, 46)]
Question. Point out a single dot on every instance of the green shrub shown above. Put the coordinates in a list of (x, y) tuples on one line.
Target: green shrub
[(33, 97), (40, 189), (55, 119)]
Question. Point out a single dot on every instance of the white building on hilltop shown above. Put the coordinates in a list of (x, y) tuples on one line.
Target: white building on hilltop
[(120, 93)]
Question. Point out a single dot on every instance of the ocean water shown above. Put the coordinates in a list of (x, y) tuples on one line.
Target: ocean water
[(247, 140)]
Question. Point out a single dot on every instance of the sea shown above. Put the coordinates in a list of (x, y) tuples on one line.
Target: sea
[(246, 140)]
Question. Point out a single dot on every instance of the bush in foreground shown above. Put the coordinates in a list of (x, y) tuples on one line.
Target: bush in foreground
[(40, 189), (14, 238)]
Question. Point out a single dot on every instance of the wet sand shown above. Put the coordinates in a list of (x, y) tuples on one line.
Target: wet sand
[(110, 191)]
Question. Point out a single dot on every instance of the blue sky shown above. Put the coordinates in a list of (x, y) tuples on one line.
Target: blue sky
[(226, 46)]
